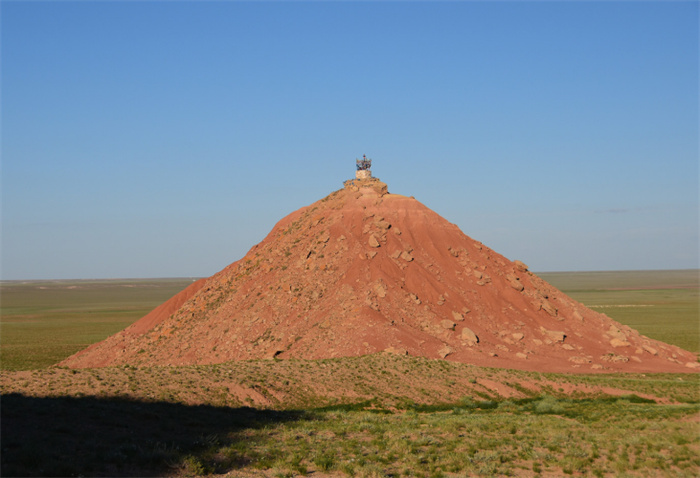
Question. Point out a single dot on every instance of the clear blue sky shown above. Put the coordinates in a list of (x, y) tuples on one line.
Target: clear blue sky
[(157, 139)]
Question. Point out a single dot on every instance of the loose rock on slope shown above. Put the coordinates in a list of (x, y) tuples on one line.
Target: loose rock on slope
[(364, 271)]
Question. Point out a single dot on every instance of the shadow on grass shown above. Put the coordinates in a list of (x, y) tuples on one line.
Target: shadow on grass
[(89, 436)]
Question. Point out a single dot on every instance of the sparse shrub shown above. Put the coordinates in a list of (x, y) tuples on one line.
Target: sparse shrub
[(325, 461), (283, 474), (371, 471), (548, 405), (507, 406), (347, 468), (297, 465), (192, 466)]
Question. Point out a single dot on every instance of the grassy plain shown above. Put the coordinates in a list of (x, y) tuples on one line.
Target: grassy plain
[(355, 416), (663, 305), (43, 322)]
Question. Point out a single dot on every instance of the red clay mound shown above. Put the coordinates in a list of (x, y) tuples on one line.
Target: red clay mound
[(364, 271)]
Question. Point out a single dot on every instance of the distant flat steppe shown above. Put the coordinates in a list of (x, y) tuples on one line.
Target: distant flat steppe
[(663, 304), (43, 322)]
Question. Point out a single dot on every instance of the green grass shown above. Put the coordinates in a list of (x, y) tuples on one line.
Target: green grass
[(542, 434), (354, 416), (558, 436), (44, 322)]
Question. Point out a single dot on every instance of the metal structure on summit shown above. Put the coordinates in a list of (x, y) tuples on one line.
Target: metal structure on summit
[(364, 164), (364, 167)]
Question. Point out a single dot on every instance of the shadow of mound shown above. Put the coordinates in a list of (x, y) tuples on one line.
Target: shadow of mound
[(90, 436)]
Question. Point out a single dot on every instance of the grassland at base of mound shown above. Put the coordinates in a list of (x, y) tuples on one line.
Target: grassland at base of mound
[(347, 417), (388, 379)]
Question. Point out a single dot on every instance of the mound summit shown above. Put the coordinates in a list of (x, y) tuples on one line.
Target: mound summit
[(364, 271)]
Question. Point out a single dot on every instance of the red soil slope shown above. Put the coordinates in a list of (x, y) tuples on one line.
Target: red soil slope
[(363, 271)]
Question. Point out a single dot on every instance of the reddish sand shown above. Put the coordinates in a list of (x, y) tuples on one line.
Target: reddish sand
[(363, 271)]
